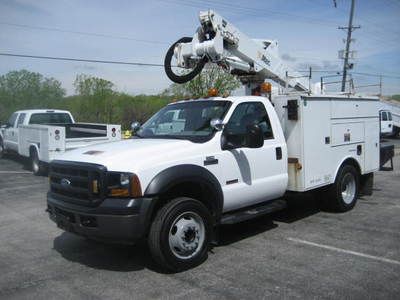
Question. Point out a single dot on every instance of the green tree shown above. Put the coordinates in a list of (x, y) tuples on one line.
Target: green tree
[(211, 77), (96, 98), (396, 97), (26, 90)]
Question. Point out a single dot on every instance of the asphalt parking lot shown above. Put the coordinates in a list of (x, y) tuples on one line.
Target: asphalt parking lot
[(301, 252)]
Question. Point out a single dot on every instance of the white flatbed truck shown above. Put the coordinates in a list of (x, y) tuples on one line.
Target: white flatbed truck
[(201, 163), (43, 135)]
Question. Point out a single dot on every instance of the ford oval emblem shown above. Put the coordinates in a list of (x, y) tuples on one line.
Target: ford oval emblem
[(65, 182)]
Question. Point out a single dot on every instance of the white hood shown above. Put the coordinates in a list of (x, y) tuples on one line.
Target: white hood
[(132, 154)]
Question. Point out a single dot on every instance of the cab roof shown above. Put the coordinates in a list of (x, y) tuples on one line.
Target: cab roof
[(35, 111), (230, 98)]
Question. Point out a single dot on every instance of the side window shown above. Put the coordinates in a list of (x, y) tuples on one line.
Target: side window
[(21, 119), (389, 116), (384, 116), (11, 120), (249, 113), (167, 117)]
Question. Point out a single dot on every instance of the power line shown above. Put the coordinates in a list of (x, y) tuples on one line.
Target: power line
[(246, 10), (31, 27), (83, 60), (376, 75), (160, 65)]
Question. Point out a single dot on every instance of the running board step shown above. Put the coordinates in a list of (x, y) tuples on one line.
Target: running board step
[(247, 214)]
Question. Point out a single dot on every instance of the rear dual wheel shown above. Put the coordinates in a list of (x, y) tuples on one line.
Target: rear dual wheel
[(344, 192)]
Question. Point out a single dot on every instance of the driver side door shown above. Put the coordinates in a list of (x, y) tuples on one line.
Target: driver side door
[(11, 133), (252, 175)]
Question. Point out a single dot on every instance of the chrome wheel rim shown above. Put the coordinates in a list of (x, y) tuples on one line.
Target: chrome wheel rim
[(348, 188), (187, 235)]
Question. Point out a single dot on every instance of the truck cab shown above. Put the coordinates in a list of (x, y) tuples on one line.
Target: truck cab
[(386, 122)]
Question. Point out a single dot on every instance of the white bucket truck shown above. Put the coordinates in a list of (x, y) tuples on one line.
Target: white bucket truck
[(200, 163)]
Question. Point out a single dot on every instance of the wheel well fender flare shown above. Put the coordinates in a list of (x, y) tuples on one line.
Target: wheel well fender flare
[(348, 160), (34, 147), (170, 177)]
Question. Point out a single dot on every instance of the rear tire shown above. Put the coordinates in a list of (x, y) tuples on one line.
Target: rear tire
[(180, 234), (36, 166), (344, 192)]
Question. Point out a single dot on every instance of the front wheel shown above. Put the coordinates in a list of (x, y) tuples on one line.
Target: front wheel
[(179, 236), (344, 192)]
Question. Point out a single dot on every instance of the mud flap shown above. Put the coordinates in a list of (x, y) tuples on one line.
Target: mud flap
[(366, 184)]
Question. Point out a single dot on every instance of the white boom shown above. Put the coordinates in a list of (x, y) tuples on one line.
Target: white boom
[(218, 41)]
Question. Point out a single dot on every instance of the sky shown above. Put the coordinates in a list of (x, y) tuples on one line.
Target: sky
[(142, 31)]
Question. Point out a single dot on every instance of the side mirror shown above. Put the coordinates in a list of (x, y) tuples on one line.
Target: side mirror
[(254, 137), (217, 124), (135, 126)]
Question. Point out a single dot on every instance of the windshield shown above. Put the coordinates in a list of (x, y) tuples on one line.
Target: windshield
[(185, 120), (50, 118)]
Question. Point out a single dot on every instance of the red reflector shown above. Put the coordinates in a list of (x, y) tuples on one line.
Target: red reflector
[(57, 131), (113, 130)]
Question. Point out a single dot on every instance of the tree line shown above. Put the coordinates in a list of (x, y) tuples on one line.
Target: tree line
[(96, 99)]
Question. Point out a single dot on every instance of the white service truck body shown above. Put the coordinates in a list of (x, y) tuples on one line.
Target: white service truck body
[(329, 130)]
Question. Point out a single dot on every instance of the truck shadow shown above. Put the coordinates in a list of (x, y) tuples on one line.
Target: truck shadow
[(127, 258), (22, 162), (98, 255), (298, 208)]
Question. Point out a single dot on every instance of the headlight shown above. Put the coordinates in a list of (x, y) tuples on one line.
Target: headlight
[(122, 185)]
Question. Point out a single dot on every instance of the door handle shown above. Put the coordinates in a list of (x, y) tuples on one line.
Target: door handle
[(278, 151)]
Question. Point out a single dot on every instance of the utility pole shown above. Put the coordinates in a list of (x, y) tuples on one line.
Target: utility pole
[(346, 53)]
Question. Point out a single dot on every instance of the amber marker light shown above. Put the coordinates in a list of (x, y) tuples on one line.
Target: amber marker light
[(213, 92), (266, 87)]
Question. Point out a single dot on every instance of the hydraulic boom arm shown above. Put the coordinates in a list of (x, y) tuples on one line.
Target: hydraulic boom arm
[(218, 41)]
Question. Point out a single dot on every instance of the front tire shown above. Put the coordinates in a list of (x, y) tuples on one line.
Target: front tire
[(180, 234), (344, 192)]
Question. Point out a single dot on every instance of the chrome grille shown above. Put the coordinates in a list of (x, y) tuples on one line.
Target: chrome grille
[(79, 183)]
